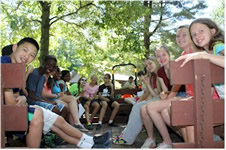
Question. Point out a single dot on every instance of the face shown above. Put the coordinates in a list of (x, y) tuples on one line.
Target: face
[(25, 53), (131, 80), (150, 65), (50, 66), (141, 78), (83, 81), (106, 79), (67, 77), (94, 79), (162, 57), (183, 38), (201, 35), (57, 75)]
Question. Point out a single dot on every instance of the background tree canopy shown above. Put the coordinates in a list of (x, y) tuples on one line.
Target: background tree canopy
[(93, 36)]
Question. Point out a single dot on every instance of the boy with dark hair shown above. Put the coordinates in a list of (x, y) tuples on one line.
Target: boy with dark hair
[(106, 96), (35, 84)]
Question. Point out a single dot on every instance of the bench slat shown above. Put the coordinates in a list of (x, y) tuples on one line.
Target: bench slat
[(184, 75), (182, 112), (13, 75)]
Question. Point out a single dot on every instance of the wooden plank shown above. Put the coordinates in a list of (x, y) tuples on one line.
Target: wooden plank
[(184, 145), (16, 119), (126, 91), (13, 75), (182, 112), (183, 75)]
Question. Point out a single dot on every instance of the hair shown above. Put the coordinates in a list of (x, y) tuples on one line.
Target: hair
[(29, 40), (79, 84), (107, 74), (7, 50), (153, 74), (140, 73), (50, 82), (64, 73), (130, 77), (50, 57), (163, 47), (183, 26), (218, 36)]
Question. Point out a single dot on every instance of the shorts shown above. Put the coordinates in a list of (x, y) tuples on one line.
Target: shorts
[(49, 118), (110, 102), (49, 106), (182, 94)]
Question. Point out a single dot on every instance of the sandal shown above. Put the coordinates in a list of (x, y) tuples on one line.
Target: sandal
[(119, 141)]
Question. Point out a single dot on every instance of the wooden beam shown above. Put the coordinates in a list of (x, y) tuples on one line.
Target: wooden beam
[(13, 75), (182, 112)]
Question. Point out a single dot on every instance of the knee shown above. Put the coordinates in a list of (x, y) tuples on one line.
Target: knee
[(96, 105), (143, 111), (61, 120), (104, 104), (117, 105)]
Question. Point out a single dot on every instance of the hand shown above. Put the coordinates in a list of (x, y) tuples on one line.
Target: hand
[(60, 94), (107, 99), (163, 95), (21, 101), (30, 69), (188, 57)]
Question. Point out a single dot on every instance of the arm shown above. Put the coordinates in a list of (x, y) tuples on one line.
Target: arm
[(217, 60), (12, 99), (103, 98)]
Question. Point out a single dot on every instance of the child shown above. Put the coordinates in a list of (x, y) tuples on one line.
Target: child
[(151, 92), (106, 95), (89, 97), (35, 84)]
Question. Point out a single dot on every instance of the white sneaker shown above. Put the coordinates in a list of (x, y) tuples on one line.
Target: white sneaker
[(149, 144), (164, 145)]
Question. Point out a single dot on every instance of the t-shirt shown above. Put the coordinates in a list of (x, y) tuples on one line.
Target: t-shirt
[(217, 49), (35, 83), (90, 91), (105, 90), (162, 74), (64, 83), (129, 85)]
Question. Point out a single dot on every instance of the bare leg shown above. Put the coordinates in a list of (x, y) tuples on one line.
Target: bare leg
[(154, 110), (165, 115), (33, 138), (147, 122), (66, 128), (103, 110), (86, 106), (73, 107), (115, 105), (190, 134), (96, 109)]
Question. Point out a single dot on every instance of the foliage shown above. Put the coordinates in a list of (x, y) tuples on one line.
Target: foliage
[(93, 36)]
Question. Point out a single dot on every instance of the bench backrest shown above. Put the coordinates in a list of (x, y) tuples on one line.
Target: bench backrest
[(13, 118), (203, 112)]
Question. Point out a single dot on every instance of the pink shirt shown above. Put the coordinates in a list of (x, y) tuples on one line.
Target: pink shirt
[(90, 91)]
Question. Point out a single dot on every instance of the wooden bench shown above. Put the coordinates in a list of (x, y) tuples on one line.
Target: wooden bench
[(202, 112), (13, 118), (124, 109)]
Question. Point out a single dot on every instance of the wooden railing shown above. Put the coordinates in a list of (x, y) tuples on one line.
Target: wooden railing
[(202, 111)]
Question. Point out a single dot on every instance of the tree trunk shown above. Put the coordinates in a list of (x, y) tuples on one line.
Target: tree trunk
[(147, 22), (45, 27)]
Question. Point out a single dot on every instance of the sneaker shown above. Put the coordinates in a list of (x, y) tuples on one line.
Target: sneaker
[(99, 126), (149, 143), (113, 124), (107, 145), (102, 139), (120, 141), (80, 127), (89, 127), (164, 145), (116, 137)]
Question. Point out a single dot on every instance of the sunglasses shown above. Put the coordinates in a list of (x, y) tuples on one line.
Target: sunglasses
[(83, 79)]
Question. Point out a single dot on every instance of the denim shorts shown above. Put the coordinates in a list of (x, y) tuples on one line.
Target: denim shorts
[(49, 106), (181, 94)]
